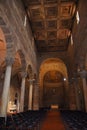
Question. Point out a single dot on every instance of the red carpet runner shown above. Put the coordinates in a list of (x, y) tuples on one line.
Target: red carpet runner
[(53, 121)]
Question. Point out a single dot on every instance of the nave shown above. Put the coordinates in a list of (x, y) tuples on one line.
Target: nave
[(45, 120), (43, 63), (53, 121)]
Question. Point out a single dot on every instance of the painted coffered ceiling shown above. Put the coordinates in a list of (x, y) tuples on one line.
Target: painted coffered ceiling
[(51, 22)]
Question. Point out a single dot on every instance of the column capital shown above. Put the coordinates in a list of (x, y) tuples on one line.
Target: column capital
[(9, 60), (31, 80), (83, 73)]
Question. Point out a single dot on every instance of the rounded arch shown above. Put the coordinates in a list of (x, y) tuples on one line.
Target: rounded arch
[(7, 36), (6, 48), (52, 64), (53, 89), (3, 48), (19, 62), (56, 63), (2, 36), (49, 65)]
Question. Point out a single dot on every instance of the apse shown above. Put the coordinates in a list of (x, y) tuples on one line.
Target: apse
[(53, 89), (52, 73)]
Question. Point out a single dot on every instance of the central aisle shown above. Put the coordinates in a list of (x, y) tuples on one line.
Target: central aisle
[(53, 121)]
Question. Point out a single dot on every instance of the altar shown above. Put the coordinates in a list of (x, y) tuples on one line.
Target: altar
[(54, 106)]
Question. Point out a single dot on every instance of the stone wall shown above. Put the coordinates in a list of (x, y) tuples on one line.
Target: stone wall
[(80, 34), (15, 17), (19, 41)]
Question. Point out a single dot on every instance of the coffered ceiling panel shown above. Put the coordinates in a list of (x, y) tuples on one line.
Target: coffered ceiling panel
[(67, 10), (51, 23), (40, 35), (66, 23), (36, 14), (51, 11), (38, 25), (63, 33), (52, 34), (53, 42), (50, 1)]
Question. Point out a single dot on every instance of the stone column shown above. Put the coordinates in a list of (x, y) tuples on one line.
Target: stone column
[(83, 75), (36, 97), (72, 95), (6, 87), (22, 91), (30, 104)]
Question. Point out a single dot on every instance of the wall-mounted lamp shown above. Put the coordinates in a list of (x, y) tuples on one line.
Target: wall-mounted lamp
[(64, 79)]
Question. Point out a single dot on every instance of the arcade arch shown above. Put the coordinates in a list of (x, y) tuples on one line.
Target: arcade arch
[(52, 64)]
